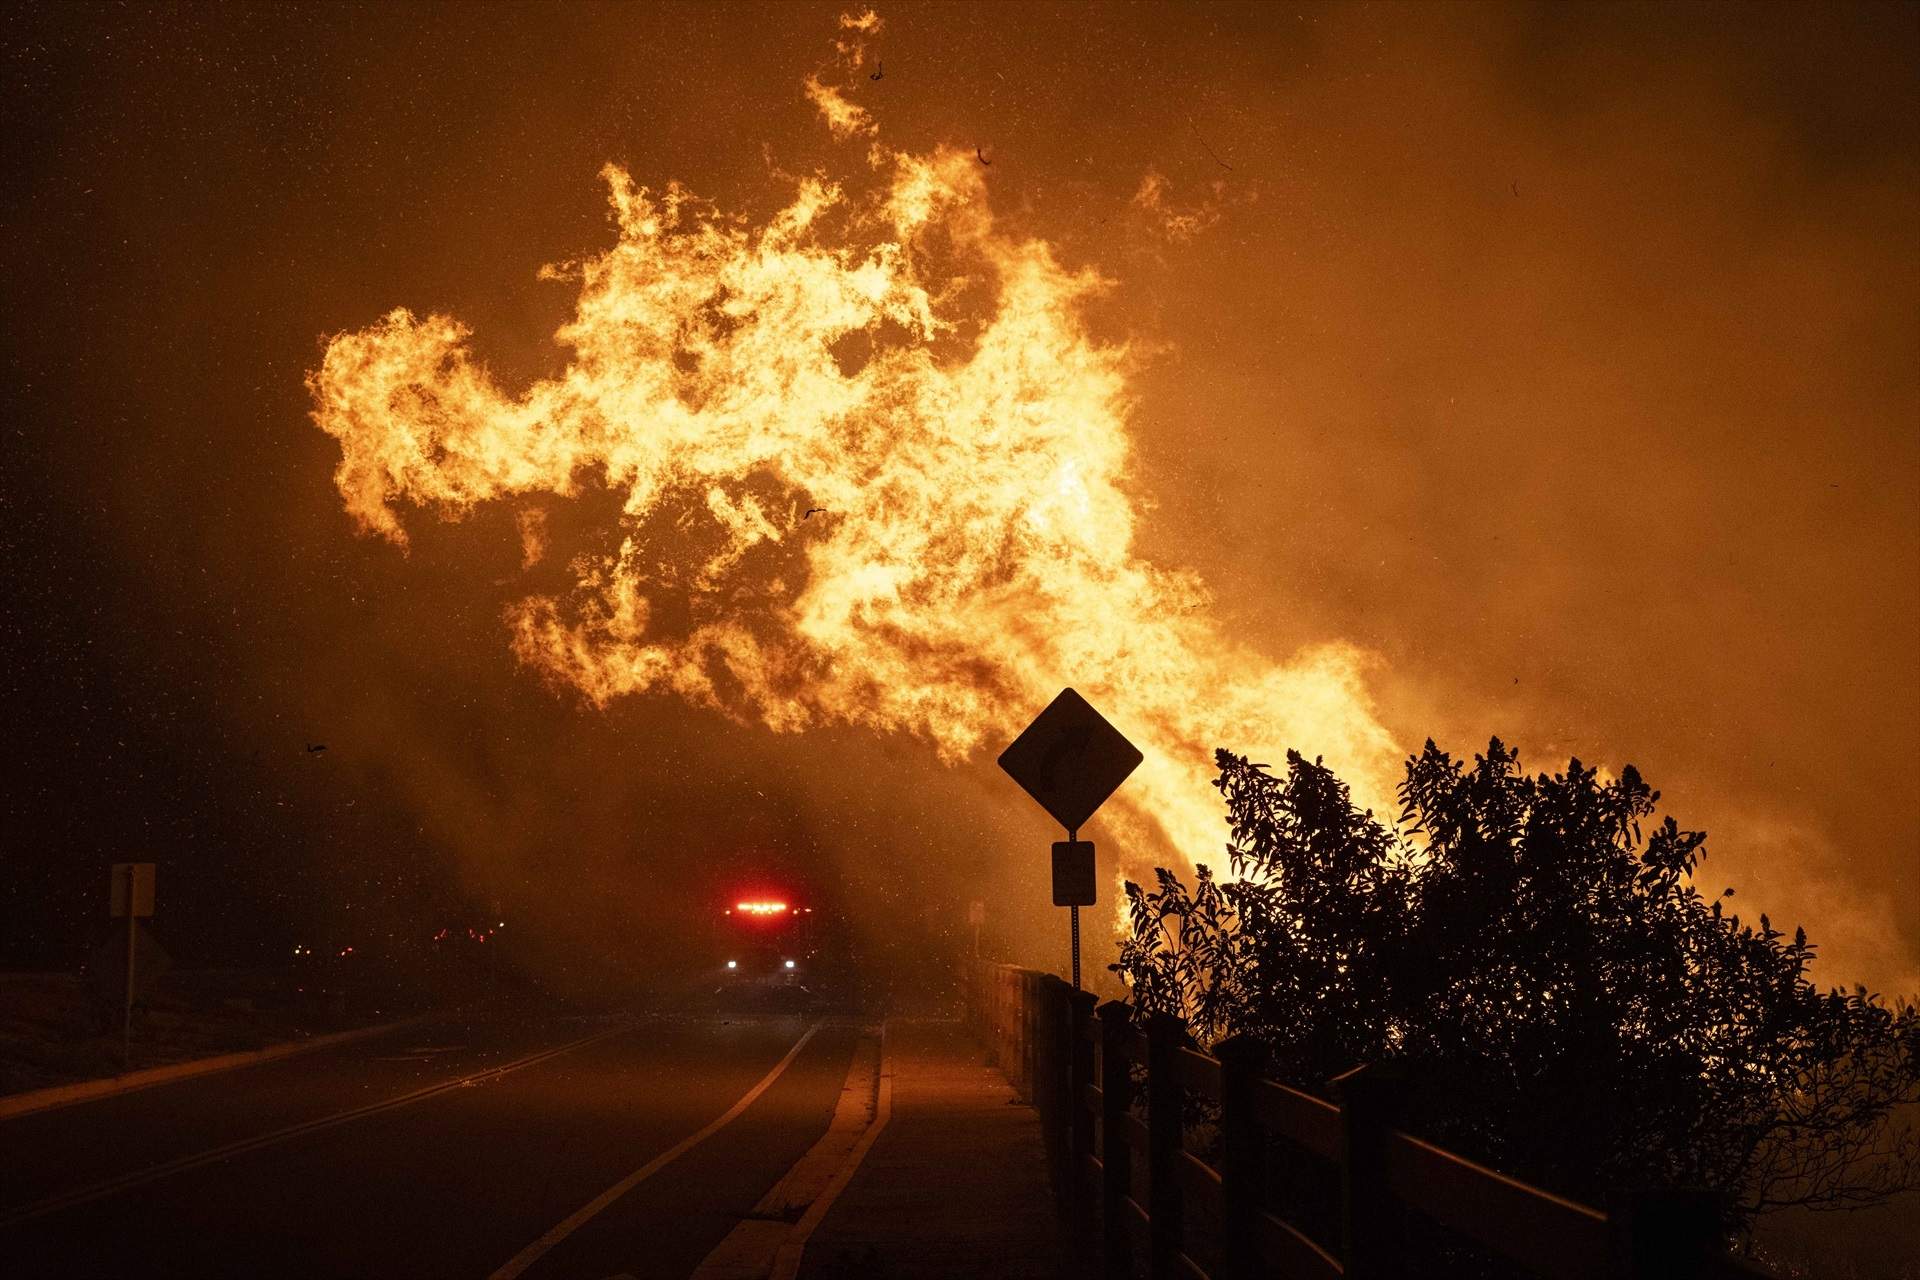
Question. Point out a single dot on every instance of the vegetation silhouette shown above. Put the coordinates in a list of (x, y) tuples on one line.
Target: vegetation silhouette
[(1569, 1008)]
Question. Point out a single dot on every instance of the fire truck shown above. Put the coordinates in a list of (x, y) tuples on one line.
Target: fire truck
[(766, 941)]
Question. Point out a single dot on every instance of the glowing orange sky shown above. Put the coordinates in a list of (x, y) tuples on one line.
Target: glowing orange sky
[(1559, 358)]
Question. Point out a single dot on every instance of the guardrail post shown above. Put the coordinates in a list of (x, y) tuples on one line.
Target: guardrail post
[(1166, 1099), (1242, 1156), (1116, 1097), (1080, 1118), (1371, 1227), (1671, 1233)]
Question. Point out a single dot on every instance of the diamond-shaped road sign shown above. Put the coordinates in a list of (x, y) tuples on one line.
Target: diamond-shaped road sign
[(1070, 759)]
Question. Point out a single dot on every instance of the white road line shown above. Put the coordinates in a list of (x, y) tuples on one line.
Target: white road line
[(579, 1217), (153, 1173), (786, 1263)]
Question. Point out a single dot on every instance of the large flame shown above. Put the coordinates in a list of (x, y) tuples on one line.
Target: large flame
[(925, 385)]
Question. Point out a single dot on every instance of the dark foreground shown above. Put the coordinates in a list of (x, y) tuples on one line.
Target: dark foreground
[(416, 1155)]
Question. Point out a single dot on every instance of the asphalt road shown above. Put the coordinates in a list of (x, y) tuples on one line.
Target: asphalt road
[(443, 1151)]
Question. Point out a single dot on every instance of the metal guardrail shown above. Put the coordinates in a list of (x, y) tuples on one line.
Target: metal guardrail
[(1113, 1101)]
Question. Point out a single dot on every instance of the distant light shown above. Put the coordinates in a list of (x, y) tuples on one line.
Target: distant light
[(733, 964), (789, 964), (761, 908), (503, 924)]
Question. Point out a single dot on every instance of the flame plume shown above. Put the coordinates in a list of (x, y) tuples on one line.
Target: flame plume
[(874, 471)]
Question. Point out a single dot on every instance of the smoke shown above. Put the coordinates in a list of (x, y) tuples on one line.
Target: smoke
[(1179, 222), (873, 470), (1564, 362), (874, 467)]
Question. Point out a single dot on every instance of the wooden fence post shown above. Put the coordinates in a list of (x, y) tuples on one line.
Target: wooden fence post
[(1672, 1233), (1017, 1033), (972, 997), (1029, 1038), (1166, 1098), (1080, 1123), (1009, 1036), (1242, 1156), (1053, 1086), (990, 1014), (1010, 993), (982, 1003), (1371, 1224), (1116, 1098)]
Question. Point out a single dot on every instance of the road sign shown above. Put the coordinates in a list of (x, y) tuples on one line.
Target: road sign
[(1073, 873), (129, 898), (1070, 759), (131, 880)]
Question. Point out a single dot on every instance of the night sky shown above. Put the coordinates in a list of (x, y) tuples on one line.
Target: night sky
[(1562, 358)]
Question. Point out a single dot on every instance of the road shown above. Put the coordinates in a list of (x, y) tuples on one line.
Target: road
[(438, 1151)]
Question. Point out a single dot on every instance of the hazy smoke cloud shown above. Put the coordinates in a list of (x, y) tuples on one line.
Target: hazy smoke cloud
[(1564, 364)]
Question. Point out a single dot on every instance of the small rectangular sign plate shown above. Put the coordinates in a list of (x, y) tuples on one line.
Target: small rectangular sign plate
[(141, 876), (1073, 873)]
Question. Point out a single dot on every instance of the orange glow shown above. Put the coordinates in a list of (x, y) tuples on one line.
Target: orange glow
[(761, 908), (874, 470)]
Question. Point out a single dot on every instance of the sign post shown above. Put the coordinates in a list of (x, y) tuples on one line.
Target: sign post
[(130, 894), (1070, 760)]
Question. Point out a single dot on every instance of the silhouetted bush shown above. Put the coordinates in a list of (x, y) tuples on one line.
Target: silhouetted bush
[(1574, 1012)]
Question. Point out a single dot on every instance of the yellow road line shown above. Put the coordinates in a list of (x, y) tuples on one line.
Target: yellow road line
[(748, 1251), (581, 1216), (786, 1263)]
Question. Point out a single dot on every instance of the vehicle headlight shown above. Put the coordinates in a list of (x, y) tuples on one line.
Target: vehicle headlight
[(733, 964), (789, 964)]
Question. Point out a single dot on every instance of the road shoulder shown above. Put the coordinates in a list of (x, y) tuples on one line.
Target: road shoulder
[(66, 1095), (769, 1240), (955, 1187)]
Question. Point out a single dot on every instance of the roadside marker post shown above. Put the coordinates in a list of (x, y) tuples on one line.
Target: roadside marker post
[(1070, 760), (129, 894)]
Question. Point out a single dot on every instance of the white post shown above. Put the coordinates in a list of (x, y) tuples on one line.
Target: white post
[(126, 1025)]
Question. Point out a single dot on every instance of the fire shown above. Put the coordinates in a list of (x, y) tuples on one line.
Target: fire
[(874, 470)]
